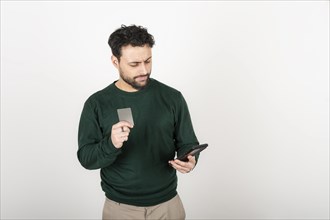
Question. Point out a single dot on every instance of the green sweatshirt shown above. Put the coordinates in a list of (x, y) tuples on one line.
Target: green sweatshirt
[(138, 173)]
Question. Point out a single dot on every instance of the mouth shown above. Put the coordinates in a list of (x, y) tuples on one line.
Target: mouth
[(142, 78)]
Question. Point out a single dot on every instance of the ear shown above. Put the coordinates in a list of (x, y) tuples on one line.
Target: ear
[(114, 61)]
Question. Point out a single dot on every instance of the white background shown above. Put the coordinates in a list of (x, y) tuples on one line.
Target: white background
[(255, 76)]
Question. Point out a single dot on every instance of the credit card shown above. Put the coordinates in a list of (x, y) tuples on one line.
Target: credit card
[(125, 114)]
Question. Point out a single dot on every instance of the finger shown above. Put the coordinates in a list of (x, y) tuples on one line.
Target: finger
[(191, 158), (118, 140), (180, 166), (119, 133), (122, 124), (181, 163), (123, 135), (119, 136), (120, 128), (124, 138), (125, 129), (117, 129), (176, 167)]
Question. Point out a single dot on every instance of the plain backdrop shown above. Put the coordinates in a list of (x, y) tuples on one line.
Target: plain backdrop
[(255, 75)]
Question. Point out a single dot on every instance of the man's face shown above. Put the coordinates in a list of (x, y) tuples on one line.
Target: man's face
[(134, 66)]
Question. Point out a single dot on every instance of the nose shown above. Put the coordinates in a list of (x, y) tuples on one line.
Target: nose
[(143, 70)]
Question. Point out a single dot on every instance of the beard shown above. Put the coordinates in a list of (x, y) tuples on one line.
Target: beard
[(135, 84)]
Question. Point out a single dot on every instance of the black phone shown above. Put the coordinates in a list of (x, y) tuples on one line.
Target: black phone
[(193, 151)]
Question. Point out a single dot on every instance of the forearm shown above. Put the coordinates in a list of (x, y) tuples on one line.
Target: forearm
[(97, 155), (184, 132)]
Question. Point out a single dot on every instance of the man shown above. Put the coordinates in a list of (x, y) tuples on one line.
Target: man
[(138, 169)]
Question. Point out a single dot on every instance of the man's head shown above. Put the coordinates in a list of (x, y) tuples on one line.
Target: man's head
[(131, 49), (136, 36)]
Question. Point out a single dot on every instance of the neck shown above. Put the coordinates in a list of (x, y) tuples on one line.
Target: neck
[(122, 85)]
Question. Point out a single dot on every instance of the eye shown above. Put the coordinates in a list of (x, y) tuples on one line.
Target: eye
[(133, 64)]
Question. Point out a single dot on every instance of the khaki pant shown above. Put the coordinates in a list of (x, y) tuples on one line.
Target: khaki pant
[(172, 209)]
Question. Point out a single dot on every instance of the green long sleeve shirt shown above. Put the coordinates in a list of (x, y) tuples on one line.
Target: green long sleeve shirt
[(138, 173)]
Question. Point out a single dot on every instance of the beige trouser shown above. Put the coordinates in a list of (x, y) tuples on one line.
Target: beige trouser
[(172, 209)]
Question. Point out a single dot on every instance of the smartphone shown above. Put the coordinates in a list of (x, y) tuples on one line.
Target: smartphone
[(193, 151)]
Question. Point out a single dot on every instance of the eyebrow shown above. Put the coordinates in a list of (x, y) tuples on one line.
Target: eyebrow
[(136, 62)]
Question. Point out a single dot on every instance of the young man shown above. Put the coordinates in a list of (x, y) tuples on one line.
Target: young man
[(138, 171)]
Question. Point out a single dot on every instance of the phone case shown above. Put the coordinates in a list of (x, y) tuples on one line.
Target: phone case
[(193, 151)]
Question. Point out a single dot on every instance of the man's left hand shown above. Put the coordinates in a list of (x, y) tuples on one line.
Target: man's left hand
[(184, 167)]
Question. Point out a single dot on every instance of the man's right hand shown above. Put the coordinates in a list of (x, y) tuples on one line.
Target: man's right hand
[(120, 132)]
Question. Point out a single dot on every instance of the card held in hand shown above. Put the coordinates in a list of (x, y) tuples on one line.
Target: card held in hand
[(125, 114)]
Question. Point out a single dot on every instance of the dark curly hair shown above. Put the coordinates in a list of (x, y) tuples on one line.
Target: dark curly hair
[(129, 35)]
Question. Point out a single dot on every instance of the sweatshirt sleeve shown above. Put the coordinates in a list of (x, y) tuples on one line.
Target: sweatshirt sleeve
[(95, 150), (185, 137)]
